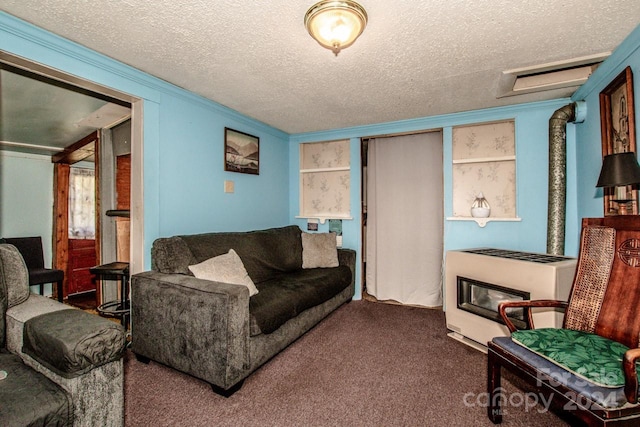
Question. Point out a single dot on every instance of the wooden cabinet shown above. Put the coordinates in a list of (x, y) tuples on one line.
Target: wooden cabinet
[(82, 256)]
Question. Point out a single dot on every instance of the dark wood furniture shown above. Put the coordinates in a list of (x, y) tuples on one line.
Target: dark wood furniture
[(119, 307), (604, 300), (82, 256)]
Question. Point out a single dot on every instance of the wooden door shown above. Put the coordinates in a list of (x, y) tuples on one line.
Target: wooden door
[(85, 148)]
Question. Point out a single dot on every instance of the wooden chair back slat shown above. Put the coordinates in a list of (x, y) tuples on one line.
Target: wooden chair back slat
[(619, 316)]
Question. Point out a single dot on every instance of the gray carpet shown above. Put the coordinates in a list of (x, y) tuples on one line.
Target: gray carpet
[(368, 364)]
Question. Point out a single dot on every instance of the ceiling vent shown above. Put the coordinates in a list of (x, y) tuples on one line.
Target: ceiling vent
[(568, 75)]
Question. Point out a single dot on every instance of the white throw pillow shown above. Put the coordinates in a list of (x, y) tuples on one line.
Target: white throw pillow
[(319, 250), (227, 268)]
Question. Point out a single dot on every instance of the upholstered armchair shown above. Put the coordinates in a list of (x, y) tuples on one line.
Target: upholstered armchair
[(587, 368), (58, 365)]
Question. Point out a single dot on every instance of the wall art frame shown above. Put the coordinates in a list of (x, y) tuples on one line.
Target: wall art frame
[(241, 152), (617, 125)]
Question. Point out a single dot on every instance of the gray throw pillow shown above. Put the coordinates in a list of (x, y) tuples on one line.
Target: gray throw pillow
[(319, 250), (226, 268), (14, 275)]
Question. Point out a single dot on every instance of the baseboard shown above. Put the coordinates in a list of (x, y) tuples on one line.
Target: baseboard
[(471, 343)]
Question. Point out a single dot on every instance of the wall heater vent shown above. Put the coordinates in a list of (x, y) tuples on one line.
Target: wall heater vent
[(567, 75)]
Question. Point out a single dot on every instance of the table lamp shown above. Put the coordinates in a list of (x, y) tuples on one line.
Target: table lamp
[(620, 170)]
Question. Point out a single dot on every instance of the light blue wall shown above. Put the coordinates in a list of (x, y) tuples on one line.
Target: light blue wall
[(26, 199), (532, 141), (192, 176), (588, 142), (183, 144)]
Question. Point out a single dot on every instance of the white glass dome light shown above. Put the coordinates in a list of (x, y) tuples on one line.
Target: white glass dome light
[(335, 24)]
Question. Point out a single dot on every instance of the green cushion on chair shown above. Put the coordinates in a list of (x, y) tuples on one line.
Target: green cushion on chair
[(589, 356)]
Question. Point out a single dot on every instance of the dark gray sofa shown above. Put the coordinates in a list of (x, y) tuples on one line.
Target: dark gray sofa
[(215, 331)]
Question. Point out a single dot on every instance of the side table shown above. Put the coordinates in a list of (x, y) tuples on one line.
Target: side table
[(117, 308)]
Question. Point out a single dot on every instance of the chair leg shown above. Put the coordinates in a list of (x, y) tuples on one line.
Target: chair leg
[(41, 286), (494, 389), (60, 296)]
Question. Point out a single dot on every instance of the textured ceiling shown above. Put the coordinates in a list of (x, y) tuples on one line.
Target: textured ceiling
[(416, 58)]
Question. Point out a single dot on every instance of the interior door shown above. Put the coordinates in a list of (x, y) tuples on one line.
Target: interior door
[(64, 253)]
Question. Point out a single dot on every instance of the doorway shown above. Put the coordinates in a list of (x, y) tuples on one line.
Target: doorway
[(403, 218), (103, 179), (107, 251)]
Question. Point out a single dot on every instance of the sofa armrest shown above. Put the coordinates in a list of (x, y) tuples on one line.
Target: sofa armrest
[(348, 257), (196, 326), (97, 395), (18, 315)]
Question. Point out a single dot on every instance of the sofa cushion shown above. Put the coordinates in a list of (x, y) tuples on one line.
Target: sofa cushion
[(14, 276), (72, 342), (225, 268), (287, 295), (319, 250), (264, 253), (28, 398)]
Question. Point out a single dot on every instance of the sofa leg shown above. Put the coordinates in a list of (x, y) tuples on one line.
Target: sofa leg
[(143, 359), (227, 393)]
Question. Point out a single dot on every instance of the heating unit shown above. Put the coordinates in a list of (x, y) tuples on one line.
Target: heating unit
[(476, 280)]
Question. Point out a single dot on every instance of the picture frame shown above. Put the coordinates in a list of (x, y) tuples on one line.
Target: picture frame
[(241, 152), (617, 124)]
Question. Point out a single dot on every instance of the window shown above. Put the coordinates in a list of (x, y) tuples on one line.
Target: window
[(82, 204), (484, 161), (325, 180)]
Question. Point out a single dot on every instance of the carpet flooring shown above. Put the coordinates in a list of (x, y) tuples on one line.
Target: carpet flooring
[(367, 364)]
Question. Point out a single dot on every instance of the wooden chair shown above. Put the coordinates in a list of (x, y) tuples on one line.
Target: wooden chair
[(604, 303)]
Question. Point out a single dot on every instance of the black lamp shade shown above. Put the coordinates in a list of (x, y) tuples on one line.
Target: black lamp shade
[(619, 169)]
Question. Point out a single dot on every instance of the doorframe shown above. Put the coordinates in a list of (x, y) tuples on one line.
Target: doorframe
[(137, 142), (364, 168)]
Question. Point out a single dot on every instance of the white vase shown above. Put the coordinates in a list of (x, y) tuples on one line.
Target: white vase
[(480, 207)]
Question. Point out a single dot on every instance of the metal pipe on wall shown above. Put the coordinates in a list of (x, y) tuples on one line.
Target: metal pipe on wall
[(556, 214)]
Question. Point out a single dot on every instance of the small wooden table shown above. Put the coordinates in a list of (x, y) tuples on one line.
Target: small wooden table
[(117, 308)]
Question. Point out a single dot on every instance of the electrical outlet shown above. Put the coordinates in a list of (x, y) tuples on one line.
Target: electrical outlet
[(228, 187)]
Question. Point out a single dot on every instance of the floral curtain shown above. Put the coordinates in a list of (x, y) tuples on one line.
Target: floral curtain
[(82, 204)]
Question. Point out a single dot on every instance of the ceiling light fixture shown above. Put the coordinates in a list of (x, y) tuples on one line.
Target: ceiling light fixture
[(335, 24)]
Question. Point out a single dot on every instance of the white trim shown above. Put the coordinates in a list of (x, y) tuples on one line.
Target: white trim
[(482, 221), (136, 229), (485, 159), (340, 169)]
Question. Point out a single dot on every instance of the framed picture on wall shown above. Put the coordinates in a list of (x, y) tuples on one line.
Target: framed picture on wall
[(241, 152), (617, 123)]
